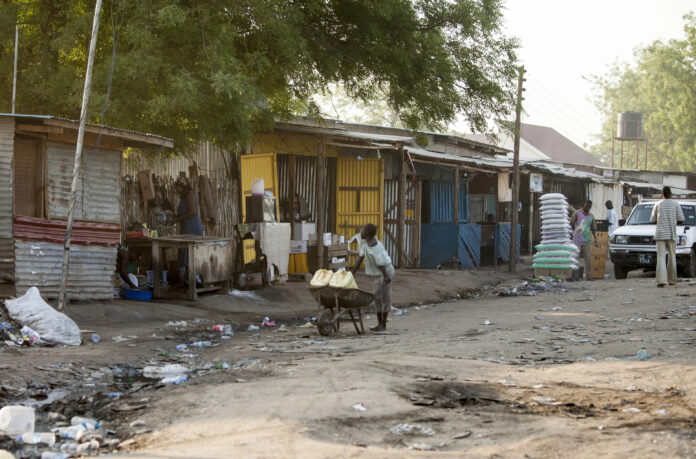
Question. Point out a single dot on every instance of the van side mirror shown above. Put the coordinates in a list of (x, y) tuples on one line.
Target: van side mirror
[(622, 222)]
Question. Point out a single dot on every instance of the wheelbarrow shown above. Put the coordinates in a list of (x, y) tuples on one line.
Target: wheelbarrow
[(336, 303)]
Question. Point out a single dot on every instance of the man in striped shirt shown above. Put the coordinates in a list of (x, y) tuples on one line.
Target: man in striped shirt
[(666, 214)]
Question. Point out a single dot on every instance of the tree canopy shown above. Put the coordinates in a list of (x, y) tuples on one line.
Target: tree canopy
[(661, 84), (222, 69)]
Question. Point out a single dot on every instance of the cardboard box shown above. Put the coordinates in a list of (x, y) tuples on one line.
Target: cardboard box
[(147, 188), (298, 246), (302, 230)]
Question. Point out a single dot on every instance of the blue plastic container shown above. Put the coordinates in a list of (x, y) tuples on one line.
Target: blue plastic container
[(138, 295)]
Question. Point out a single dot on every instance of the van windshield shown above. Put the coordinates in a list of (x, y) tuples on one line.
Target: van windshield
[(641, 214)]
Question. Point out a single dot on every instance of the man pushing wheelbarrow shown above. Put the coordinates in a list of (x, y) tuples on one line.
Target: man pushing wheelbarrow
[(377, 263)]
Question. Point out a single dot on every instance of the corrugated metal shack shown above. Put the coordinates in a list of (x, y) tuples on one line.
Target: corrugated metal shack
[(36, 167)]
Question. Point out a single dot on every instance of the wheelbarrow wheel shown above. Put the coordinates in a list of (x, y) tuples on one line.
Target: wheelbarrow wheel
[(325, 322)]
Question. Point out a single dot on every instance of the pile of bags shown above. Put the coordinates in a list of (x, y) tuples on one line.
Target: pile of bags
[(556, 250)]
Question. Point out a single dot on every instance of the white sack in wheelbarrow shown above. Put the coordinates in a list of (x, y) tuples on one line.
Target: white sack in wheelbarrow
[(52, 326)]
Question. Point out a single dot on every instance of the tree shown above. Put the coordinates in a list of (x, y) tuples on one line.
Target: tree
[(222, 69), (661, 84)]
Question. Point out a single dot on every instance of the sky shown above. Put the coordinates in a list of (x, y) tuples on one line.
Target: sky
[(563, 41)]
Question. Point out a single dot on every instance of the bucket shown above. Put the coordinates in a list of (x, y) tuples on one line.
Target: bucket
[(257, 187)]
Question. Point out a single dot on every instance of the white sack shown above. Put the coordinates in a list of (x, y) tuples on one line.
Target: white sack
[(53, 326)]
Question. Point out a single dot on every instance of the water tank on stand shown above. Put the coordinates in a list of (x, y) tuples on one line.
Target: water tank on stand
[(629, 126)]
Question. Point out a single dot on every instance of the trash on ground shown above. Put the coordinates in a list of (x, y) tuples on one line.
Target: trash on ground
[(201, 344), (412, 429), (253, 327), (95, 338), (224, 329), (268, 323), (308, 325), (181, 323), (180, 347), (87, 423), (359, 407), (52, 326), (16, 420), (465, 434), (172, 369), (541, 400), (174, 379), (631, 410)]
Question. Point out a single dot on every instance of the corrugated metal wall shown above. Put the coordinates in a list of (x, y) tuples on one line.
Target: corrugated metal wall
[(442, 201), (98, 187), (7, 129), (391, 219), (305, 179), (91, 275), (601, 193), (359, 195)]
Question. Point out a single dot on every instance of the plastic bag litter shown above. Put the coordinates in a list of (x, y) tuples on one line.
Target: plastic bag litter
[(52, 326)]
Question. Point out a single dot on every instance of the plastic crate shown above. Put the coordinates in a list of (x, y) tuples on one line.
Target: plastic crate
[(138, 295)]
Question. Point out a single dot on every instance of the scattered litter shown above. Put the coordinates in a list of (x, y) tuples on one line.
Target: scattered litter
[(487, 322), (465, 434), (87, 423), (307, 325), (174, 379), (119, 339), (172, 369), (400, 312), (180, 347), (181, 323), (541, 400), (359, 407), (268, 323), (95, 338), (507, 383), (557, 308), (201, 344), (412, 429), (16, 420), (224, 329), (421, 447), (642, 354), (282, 328), (631, 410), (253, 327), (52, 326), (137, 423), (30, 337), (662, 411)]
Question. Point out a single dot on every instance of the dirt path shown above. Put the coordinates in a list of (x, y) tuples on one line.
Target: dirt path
[(553, 374)]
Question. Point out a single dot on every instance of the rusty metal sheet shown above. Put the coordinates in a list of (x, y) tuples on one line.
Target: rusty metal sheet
[(91, 275), (98, 186), (83, 233)]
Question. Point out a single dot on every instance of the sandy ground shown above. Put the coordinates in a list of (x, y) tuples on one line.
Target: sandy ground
[(551, 374)]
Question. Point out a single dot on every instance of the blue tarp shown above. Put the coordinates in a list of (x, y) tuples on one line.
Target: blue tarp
[(469, 245), (443, 242), (502, 241)]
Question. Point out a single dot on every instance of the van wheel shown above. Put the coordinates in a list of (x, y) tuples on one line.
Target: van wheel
[(690, 268), (620, 272)]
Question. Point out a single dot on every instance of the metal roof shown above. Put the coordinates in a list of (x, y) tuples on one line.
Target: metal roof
[(656, 187), (336, 132), (97, 126)]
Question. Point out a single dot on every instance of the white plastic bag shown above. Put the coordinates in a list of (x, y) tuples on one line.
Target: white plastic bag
[(16, 420), (52, 326)]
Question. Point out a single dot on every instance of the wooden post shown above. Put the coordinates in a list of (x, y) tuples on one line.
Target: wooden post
[(319, 191), (78, 155), (455, 200), (291, 194), (530, 230), (516, 174), (400, 237)]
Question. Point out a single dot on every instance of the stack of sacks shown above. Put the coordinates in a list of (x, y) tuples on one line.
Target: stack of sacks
[(556, 250)]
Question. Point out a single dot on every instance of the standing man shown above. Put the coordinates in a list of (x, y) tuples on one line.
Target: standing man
[(612, 218), (583, 223), (666, 214), (377, 263)]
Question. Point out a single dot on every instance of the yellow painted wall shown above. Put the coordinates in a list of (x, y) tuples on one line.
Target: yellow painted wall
[(354, 206), (253, 167)]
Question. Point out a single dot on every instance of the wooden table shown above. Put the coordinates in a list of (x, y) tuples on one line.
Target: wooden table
[(209, 257)]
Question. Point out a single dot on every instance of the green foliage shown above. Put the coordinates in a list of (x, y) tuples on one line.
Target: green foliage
[(662, 85), (221, 70)]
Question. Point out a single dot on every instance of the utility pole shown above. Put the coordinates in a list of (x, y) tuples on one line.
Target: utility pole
[(516, 173), (14, 73), (78, 154)]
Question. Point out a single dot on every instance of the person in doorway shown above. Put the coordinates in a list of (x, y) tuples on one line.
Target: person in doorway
[(612, 218), (666, 214), (377, 263), (584, 225), (187, 216)]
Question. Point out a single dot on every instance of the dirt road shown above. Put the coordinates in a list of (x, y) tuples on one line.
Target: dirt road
[(552, 374)]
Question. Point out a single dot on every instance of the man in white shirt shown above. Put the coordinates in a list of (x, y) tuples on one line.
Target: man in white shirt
[(612, 218), (666, 214), (377, 263)]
